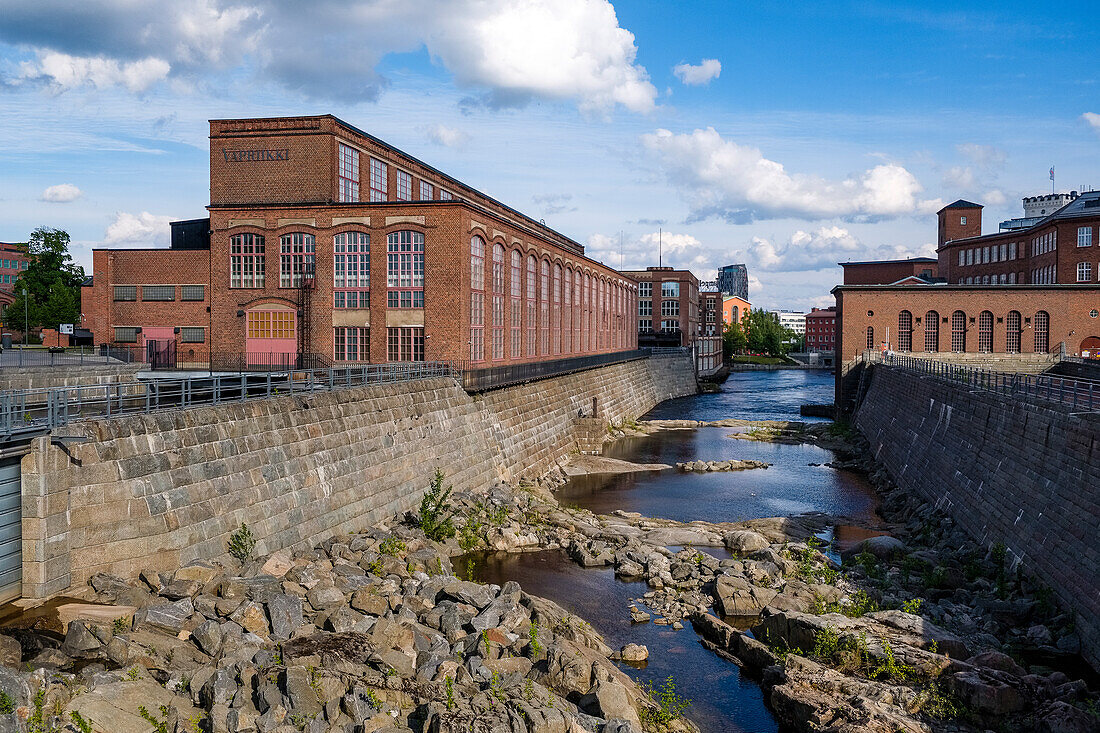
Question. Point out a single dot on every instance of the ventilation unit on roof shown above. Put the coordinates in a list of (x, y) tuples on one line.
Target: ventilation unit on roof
[(1092, 203)]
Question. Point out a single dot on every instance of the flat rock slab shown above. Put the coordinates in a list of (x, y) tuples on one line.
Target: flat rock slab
[(582, 465), (94, 612), (113, 707)]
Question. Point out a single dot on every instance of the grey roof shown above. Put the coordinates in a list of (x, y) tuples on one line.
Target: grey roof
[(1085, 206), (962, 204), (918, 260)]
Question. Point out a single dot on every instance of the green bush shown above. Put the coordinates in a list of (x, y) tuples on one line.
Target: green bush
[(242, 543), (669, 704), (436, 512)]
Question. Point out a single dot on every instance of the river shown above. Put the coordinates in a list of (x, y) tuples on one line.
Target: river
[(722, 699)]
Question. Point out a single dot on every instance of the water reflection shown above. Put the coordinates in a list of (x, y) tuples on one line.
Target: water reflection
[(755, 396)]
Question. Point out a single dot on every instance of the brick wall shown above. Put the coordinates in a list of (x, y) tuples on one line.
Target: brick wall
[(154, 491), (1022, 474)]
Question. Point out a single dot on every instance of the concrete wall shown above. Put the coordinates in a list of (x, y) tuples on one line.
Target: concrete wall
[(1024, 474), (63, 376), (154, 491)]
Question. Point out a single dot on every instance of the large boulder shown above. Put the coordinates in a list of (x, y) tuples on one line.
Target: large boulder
[(738, 597)]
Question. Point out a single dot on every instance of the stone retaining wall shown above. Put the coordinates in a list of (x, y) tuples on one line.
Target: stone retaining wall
[(65, 376), (155, 491), (1027, 475)]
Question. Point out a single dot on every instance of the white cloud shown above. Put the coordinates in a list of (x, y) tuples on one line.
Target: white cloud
[(449, 137), (986, 157), (821, 249), (679, 250), (695, 75), (505, 53), (64, 72), (977, 179), (721, 178), (1092, 119), (62, 193), (138, 230)]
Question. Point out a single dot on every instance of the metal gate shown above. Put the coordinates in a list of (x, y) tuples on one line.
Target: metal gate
[(160, 354), (11, 531)]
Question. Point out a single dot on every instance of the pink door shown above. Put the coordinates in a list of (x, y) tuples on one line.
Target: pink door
[(158, 343), (271, 338)]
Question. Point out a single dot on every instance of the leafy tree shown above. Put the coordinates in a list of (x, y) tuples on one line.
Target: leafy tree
[(765, 335), (734, 340), (52, 281)]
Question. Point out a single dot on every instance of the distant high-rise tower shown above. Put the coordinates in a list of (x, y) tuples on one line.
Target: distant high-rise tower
[(734, 280)]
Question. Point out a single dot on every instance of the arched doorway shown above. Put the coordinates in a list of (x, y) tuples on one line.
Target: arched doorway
[(1090, 348)]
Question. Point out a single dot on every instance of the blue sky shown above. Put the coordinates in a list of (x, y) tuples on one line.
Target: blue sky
[(786, 135)]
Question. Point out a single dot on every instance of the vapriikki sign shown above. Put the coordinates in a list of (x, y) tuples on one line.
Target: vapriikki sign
[(255, 156)]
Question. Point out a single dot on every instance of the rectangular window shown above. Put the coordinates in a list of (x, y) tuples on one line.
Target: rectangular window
[(445, 195), (344, 299), (348, 173), (158, 292), (962, 257), (1012, 251), (405, 344), (985, 255), (962, 220), (670, 308), (351, 270), (126, 334), (645, 307), (192, 335), (670, 289), (350, 343), (670, 325), (404, 186), (405, 270), (125, 292), (645, 325), (1084, 272), (297, 254), (969, 257), (1084, 236), (645, 290), (378, 173), (246, 261), (427, 191), (192, 292), (270, 325)]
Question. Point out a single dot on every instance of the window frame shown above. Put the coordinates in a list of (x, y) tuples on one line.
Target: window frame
[(187, 334), (405, 269), (147, 297), (184, 293), (297, 258), (247, 261), (347, 173), (129, 289), (378, 180), (403, 188)]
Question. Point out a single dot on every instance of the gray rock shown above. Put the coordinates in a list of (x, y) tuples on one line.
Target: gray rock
[(882, 546), (11, 653), (221, 688), (325, 597), (299, 690), (168, 616), (357, 704), (80, 641), (744, 540), (285, 612), (738, 597), (370, 601), (208, 636)]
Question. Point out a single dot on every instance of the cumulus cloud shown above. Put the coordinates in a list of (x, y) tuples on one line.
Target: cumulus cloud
[(506, 53), (720, 178), (1092, 119), (62, 193), (978, 176), (696, 75), (820, 249), (138, 230), (449, 137), (63, 72), (674, 249)]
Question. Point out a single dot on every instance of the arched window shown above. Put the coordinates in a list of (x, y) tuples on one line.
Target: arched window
[(351, 270), (870, 337), (1012, 332), (555, 316), (532, 308), (905, 331), (544, 308), (1042, 332), (405, 269), (297, 252), (477, 263), (578, 328), (567, 312), (498, 301), (958, 331), (516, 290), (931, 332), (985, 332)]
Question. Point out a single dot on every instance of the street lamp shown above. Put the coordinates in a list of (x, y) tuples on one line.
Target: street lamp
[(26, 316)]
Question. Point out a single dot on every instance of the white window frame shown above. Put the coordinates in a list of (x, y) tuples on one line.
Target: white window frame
[(1084, 236), (1084, 272), (347, 173)]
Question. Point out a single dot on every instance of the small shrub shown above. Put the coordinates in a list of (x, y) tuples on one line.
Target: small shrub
[(670, 705), (133, 674), (82, 724), (392, 546), (449, 688), (913, 605), (242, 543), (436, 512), (159, 726), (7, 704), (536, 645), (826, 644), (937, 703)]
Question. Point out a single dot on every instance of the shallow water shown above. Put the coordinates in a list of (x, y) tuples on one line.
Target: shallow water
[(723, 699)]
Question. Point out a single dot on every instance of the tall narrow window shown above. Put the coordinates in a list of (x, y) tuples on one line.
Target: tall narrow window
[(404, 186), (905, 331), (348, 173), (477, 263), (1084, 236), (498, 301), (427, 191), (516, 315), (405, 270), (477, 298), (544, 308), (985, 332), (958, 331), (351, 270), (297, 251), (870, 337), (555, 322), (578, 320), (1012, 332), (931, 332), (246, 261), (1084, 272), (378, 174), (405, 344), (1042, 332), (532, 316), (567, 312)]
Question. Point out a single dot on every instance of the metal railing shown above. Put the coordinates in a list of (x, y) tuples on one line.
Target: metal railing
[(480, 379), (30, 412), (1080, 395), (41, 356)]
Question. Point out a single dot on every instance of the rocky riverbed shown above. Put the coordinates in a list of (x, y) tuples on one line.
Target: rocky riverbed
[(917, 629)]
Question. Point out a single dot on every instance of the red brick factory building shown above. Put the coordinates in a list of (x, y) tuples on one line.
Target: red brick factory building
[(323, 240)]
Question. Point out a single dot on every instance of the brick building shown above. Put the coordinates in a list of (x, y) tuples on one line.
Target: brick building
[(13, 260), (1058, 248), (821, 329), (309, 218), (668, 306), (734, 309), (887, 272)]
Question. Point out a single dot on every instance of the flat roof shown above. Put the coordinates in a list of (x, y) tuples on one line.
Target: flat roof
[(970, 288), (921, 260)]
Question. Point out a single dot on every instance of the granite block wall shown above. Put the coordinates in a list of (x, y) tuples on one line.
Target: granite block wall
[(1025, 474), (156, 491)]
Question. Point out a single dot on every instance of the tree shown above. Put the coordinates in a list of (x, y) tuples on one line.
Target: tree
[(734, 340), (764, 334), (52, 281)]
